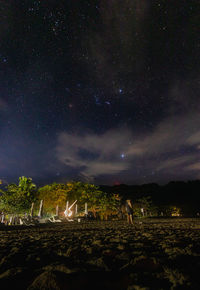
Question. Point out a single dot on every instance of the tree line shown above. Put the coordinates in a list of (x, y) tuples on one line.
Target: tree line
[(18, 198), (175, 198)]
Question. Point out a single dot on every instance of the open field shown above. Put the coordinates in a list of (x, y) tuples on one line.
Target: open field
[(154, 254)]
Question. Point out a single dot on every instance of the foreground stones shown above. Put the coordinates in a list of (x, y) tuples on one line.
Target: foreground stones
[(157, 254)]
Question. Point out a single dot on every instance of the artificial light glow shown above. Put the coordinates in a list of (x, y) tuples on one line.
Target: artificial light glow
[(68, 212)]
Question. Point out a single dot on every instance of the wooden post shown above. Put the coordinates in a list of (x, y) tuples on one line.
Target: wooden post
[(86, 209), (41, 209), (2, 218), (11, 220), (31, 212), (76, 209), (67, 208), (57, 210)]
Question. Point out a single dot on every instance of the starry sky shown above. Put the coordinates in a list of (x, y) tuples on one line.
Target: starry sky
[(103, 91)]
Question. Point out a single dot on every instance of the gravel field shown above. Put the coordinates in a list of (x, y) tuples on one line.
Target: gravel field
[(154, 254)]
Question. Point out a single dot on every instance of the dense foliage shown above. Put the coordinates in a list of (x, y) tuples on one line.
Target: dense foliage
[(148, 200), (18, 198), (58, 194)]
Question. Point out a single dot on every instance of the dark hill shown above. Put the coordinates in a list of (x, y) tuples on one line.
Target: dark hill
[(177, 193)]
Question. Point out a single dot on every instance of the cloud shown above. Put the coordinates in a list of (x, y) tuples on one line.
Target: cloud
[(176, 162), (195, 166), (93, 154), (183, 93), (171, 134), (170, 147), (194, 139)]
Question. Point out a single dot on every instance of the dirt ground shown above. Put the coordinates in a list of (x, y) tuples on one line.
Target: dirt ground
[(151, 254)]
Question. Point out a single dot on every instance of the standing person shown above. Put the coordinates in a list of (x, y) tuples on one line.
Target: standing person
[(129, 210)]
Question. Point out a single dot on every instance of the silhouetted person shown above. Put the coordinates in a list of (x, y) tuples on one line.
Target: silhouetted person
[(129, 210)]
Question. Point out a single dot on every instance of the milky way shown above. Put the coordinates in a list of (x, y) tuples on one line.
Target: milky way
[(100, 91)]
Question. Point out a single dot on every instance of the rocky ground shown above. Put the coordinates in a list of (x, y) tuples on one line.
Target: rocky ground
[(154, 254)]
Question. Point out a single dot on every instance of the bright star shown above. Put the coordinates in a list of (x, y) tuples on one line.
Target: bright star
[(108, 103)]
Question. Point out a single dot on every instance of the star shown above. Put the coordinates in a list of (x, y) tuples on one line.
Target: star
[(4, 59), (107, 103), (75, 74), (97, 102)]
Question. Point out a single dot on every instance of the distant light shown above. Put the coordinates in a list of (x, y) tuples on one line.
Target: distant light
[(122, 155), (120, 91)]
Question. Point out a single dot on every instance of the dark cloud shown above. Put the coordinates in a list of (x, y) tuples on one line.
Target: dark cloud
[(172, 145), (107, 147)]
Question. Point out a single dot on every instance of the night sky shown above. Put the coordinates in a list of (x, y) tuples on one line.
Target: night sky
[(103, 91)]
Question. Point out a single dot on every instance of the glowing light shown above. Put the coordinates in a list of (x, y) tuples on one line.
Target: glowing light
[(68, 212)]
